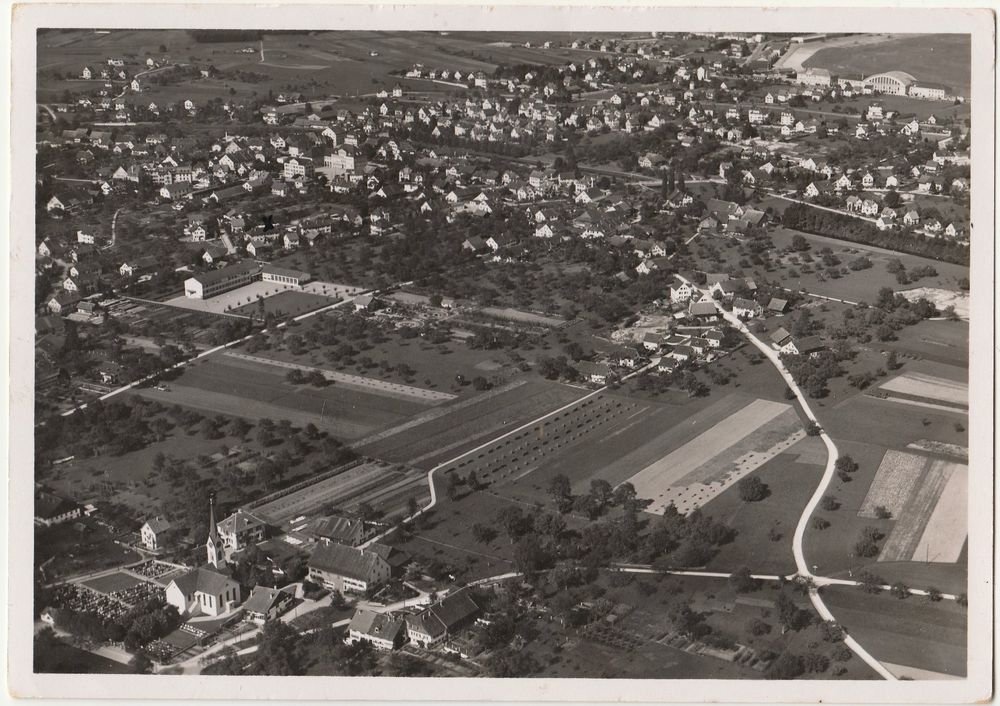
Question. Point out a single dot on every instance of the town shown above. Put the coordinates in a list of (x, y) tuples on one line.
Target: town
[(453, 354)]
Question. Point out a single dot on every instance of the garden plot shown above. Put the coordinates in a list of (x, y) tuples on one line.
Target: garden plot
[(941, 490), (702, 468), (929, 387)]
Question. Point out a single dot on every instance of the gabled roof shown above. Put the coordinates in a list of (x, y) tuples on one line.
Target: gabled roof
[(202, 580), (239, 521), (157, 524), (380, 625), (346, 561), (263, 599)]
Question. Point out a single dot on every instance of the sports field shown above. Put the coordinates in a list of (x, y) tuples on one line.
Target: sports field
[(928, 499), (939, 58), (383, 486)]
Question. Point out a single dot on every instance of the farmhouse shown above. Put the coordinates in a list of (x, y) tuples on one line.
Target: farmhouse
[(50, 509), (347, 569), (441, 620), (381, 630), (266, 603)]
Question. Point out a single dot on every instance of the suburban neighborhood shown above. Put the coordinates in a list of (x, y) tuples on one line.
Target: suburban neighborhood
[(513, 354)]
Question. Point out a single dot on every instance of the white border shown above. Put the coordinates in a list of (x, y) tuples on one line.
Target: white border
[(536, 16)]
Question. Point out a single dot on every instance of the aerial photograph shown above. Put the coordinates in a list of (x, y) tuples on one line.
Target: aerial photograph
[(502, 354)]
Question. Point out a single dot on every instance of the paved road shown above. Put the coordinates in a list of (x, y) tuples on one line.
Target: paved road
[(801, 564)]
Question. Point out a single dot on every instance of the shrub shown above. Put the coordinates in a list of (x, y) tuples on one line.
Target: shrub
[(933, 595), (900, 590), (820, 523), (841, 653), (829, 503), (882, 512), (752, 489)]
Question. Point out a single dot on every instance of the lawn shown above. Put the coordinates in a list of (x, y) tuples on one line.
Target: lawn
[(286, 304)]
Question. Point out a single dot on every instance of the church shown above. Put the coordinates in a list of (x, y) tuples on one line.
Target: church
[(206, 590)]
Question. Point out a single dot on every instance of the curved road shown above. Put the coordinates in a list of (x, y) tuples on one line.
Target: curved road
[(801, 564)]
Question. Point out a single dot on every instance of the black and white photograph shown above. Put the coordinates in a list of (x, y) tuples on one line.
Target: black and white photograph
[(520, 352)]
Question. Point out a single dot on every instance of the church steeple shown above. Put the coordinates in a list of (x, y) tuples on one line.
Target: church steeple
[(213, 545)]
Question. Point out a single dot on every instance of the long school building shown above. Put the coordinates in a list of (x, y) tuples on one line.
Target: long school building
[(210, 284)]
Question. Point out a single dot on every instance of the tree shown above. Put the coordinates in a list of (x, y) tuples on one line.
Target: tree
[(560, 488), (600, 491), (483, 534), (846, 464), (933, 595), (742, 581), (624, 495), (786, 666), (900, 590), (790, 616), (829, 503), (752, 489), (870, 583), (799, 243), (451, 487), (882, 512)]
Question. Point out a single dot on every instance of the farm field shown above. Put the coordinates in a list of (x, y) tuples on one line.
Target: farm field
[(933, 517), (446, 435), (910, 632), (791, 478), (224, 385), (630, 440), (383, 486), (694, 473), (63, 658), (929, 387), (940, 58), (371, 385), (945, 342)]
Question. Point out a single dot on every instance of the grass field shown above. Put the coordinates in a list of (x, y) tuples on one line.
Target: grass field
[(864, 284), (941, 58), (791, 477), (911, 632), (469, 425), (939, 341), (112, 583), (286, 304), (223, 385), (63, 658)]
